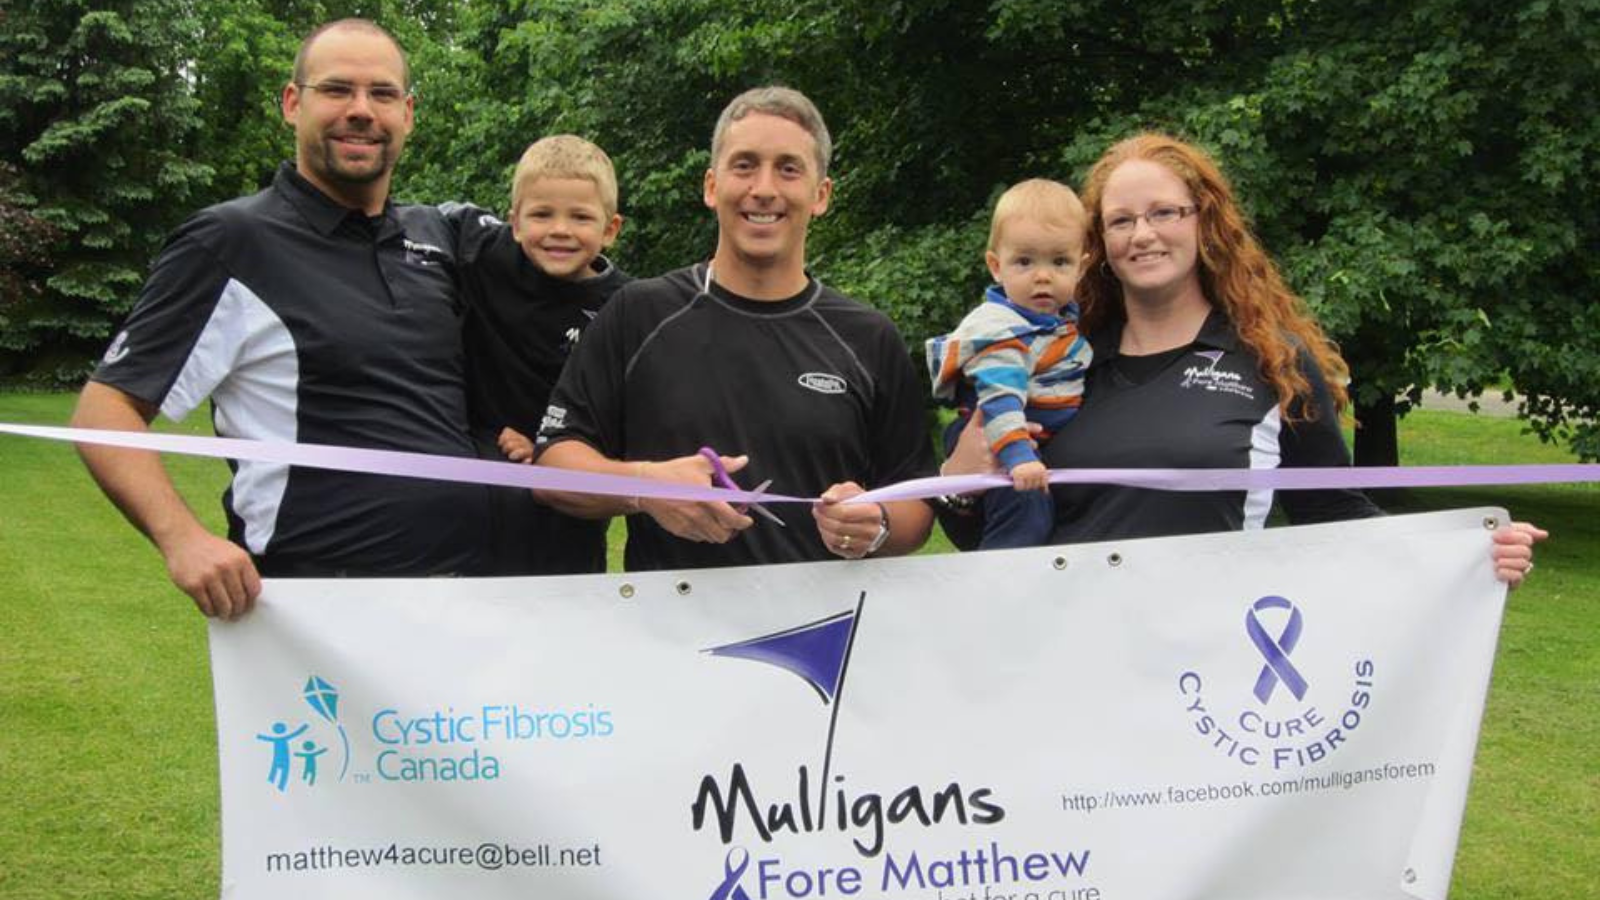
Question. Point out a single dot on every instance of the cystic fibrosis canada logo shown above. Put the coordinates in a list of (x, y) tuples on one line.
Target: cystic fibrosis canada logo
[(1279, 722), (819, 653), (294, 744)]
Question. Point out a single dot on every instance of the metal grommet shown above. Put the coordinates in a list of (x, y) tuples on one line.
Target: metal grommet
[(684, 587), (1490, 523), (1114, 559), (1059, 562), (626, 590), (1409, 876)]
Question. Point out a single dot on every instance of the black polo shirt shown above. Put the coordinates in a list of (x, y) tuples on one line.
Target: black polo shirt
[(303, 320), (817, 389), (1203, 406), (521, 324), (520, 327)]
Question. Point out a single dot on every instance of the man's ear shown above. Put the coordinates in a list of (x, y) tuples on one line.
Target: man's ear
[(824, 196), (290, 102)]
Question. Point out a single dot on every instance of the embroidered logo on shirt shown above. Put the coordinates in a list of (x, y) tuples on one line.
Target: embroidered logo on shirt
[(1213, 380), (418, 253), (822, 383), (555, 417), (117, 350)]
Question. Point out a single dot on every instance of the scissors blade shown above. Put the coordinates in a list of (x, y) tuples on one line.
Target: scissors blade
[(762, 511), (723, 479)]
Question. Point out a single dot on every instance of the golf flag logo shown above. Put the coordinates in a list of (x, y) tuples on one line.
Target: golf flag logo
[(819, 653), (816, 652)]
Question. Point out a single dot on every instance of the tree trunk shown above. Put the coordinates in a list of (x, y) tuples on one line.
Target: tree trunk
[(1378, 444), (1377, 440)]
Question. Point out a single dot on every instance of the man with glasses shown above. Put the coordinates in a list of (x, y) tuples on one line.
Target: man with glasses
[(317, 312)]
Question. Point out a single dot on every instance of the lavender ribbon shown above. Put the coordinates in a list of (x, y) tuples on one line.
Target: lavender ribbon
[(480, 471), (1276, 652), (398, 462), (1322, 478), (730, 889)]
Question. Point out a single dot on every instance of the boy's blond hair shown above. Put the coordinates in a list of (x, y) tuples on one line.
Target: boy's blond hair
[(1037, 198), (566, 156)]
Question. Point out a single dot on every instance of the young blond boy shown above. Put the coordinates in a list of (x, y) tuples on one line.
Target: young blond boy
[(530, 289), (1018, 358)]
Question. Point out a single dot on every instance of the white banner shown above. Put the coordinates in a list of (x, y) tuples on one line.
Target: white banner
[(1282, 714)]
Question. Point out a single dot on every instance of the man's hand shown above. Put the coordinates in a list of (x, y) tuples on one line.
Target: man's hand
[(1031, 476), (705, 522), (847, 529), (217, 574), (970, 455), (515, 445)]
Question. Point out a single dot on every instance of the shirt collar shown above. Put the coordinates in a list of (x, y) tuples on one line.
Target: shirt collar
[(323, 212), (1216, 332), (997, 294)]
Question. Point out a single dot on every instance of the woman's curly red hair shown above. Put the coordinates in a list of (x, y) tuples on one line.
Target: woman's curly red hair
[(1235, 273)]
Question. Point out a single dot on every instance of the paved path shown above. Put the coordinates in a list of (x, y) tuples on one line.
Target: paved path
[(1489, 404)]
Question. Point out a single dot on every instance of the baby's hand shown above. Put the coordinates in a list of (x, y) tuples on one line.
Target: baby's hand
[(516, 446), (1030, 476)]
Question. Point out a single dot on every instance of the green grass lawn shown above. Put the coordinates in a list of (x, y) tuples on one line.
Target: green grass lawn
[(108, 748)]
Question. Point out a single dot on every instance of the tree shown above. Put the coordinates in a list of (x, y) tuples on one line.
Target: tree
[(237, 83), (96, 113), (1418, 168), (25, 242), (1414, 166), (1402, 160)]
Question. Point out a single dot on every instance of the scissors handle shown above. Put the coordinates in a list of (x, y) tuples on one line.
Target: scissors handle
[(719, 474)]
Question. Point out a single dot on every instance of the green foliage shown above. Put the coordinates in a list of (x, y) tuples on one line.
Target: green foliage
[(97, 121), (924, 278), (25, 261), (1417, 168), (249, 51)]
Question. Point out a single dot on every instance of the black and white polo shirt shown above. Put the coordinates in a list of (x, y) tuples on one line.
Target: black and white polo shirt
[(1202, 406), (305, 321)]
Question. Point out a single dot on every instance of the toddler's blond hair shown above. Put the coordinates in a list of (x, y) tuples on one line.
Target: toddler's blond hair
[(1040, 199)]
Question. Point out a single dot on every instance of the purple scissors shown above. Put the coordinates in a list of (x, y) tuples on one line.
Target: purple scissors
[(719, 473)]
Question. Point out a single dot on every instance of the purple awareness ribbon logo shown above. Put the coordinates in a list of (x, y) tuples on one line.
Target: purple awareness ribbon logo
[(1276, 651), (730, 888)]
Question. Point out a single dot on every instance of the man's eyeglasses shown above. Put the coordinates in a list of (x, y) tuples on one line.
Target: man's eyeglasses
[(1159, 217), (344, 91)]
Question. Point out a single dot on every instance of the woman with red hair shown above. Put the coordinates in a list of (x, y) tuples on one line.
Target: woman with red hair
[(1203, 358)]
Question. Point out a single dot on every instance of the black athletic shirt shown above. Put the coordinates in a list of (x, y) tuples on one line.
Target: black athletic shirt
[(521, 324), (303, 320), (817, 389), (520, 327), (1203, 407)]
